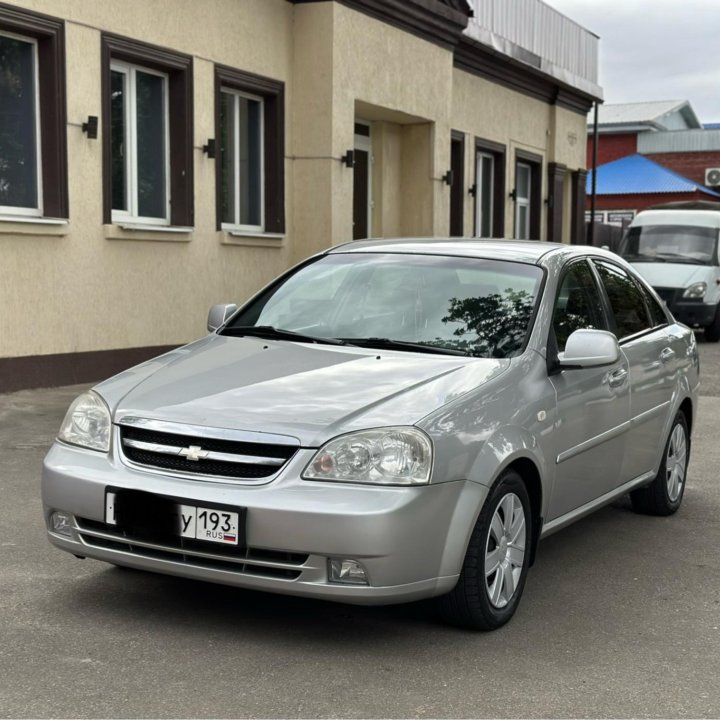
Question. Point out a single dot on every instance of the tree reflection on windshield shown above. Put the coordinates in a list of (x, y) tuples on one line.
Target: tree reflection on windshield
[(491, 326)]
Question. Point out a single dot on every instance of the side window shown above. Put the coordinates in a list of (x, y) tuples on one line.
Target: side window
[(626, 300), (657, 314), (147, 134), (33, 123), (578, 305)]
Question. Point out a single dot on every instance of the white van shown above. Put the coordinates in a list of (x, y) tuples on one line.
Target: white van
[(675, 248)]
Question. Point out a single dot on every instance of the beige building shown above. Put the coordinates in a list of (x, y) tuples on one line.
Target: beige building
[(159, 157)]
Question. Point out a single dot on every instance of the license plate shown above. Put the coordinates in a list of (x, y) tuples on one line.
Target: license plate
[(201, 523)]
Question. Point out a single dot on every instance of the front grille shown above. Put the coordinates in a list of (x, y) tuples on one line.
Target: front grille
[(667, 295), (201, 455), (242, 560)]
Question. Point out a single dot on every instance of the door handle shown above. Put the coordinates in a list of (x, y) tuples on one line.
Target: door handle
[(667, 354), (617, 377)]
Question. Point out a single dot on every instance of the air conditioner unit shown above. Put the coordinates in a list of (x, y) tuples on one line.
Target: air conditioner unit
[(712, 177)]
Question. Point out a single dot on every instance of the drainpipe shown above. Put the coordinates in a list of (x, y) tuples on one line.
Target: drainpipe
[(591, 231)]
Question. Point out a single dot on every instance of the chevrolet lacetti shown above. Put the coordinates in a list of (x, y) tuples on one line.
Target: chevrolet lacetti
[(388, 421)]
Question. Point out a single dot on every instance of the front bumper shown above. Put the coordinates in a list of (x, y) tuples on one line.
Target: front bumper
[(410, 540), (693, 314)]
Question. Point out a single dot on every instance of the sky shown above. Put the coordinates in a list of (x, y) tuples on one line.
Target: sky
[(655, 49)]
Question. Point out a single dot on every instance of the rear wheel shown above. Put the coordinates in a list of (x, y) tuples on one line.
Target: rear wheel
[(496, 562), (664, 494), (712, 331)]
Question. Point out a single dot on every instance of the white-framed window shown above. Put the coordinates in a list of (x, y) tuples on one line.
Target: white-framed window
[(20, 156), (139, 140), (242, 161), (523, 199), (484, 194)]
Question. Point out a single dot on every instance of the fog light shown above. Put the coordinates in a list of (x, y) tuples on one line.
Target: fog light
[(61, 523), (347, 572)]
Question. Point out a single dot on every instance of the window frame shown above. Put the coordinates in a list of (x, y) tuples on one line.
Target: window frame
[(605, 310), (272, 93), (608, 305), (132, 215), (238, 226), (178, 67), (38, 210), (480, 188), (498, 152), (48, 35), (535, 163)]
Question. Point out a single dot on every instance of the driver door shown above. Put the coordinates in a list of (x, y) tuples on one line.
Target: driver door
[(593, 404)]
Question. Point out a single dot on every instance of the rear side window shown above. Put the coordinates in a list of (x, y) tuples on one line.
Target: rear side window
[(626, 300), (578, 305), (657, 314)]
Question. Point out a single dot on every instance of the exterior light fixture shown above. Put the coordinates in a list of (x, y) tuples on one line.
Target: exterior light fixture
[(91, 127), (349, 158), (448, 177), (209, 148)]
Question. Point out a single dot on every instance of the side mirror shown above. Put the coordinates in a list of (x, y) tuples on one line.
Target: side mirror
[(218, 315), (589, 348)]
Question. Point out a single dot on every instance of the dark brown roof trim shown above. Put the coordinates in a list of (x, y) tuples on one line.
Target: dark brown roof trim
[(479, 60), (437, 21)]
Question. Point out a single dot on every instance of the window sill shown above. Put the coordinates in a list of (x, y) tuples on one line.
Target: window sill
[(30, 225), (147, 233), (247, 238)]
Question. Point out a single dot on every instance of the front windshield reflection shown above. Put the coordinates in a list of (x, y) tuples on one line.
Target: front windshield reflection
[(671, 243), (478, 307)]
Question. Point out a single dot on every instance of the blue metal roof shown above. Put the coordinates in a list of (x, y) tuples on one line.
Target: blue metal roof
[(638, 175), (711, 126)]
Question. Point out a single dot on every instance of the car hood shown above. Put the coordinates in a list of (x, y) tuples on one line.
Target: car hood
[(672, 275), (310, 392)]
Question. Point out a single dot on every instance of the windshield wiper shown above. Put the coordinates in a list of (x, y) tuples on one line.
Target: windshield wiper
[(389, 344), (272, 333)]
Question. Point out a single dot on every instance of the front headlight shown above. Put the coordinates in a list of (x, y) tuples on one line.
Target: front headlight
[(87, 423), (696, 290), (387, 456)]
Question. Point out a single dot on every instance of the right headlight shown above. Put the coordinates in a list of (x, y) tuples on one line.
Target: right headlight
[(386, 456), (696, 291), (87, 423)]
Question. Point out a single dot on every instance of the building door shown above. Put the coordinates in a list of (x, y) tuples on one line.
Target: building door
[(362, 182)]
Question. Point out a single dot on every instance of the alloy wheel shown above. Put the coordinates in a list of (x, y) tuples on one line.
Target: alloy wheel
[(675, 462), (505, 550)]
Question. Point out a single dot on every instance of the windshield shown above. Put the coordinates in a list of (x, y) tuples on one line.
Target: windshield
[(460, 305), (671, 243)]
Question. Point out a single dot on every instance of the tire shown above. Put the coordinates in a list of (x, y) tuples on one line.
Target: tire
[(712, 331), (665, 493), (483, 601)]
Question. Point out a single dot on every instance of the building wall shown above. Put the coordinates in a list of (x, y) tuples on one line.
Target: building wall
[(642, 202), (611, 147), (83, 286), (691, 165)]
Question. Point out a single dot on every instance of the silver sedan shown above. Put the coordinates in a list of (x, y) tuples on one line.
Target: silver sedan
[(388, 421)]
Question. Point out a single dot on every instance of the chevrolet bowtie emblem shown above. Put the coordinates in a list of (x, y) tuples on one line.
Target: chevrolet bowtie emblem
[(194, 452)]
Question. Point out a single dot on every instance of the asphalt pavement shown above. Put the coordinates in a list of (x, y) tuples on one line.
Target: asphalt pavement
[(620, 618)]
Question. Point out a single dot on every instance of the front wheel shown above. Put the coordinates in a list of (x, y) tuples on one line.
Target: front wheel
[(496, 562), (664, 494)]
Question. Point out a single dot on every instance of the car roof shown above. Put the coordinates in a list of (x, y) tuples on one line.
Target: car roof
[(528, 251)]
